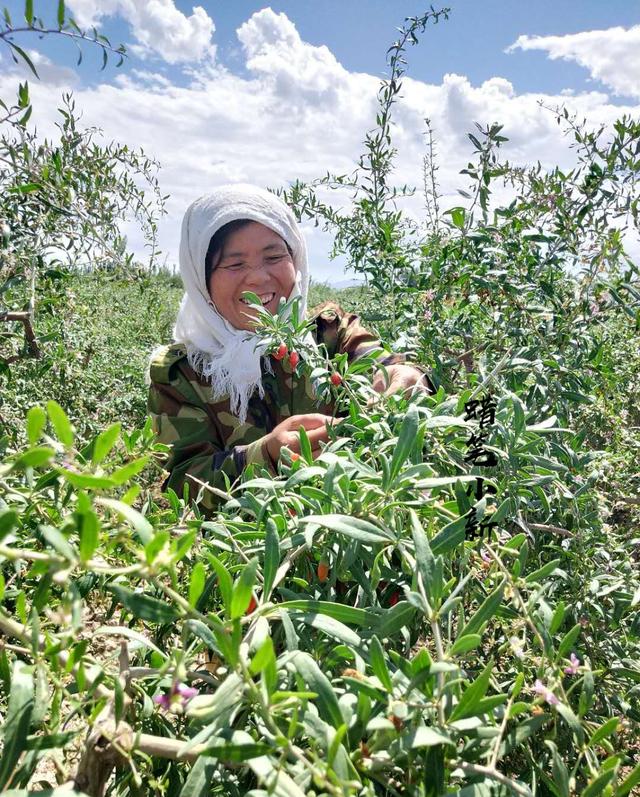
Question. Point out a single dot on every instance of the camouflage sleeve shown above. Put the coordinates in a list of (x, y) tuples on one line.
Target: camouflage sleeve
[(195, 450), (343, 332)]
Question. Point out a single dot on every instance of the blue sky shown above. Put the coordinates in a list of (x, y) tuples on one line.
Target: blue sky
[(240, 91), (472, 41)]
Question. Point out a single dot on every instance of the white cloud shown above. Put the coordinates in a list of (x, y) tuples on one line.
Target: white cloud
[(299, 113), (298, 73), (612, 55), (158, 26), (49, 73)]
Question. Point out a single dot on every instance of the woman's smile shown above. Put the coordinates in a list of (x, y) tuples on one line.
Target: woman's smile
[(265, 298)]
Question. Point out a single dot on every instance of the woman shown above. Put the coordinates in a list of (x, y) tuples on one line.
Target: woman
[(214, 399)]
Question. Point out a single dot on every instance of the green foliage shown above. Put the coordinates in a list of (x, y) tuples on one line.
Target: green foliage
[(335, 629), (62, 202)]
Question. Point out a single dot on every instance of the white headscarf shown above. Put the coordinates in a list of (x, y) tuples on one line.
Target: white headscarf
[(227, 357)]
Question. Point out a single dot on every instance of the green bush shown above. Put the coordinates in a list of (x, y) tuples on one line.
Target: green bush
[(444, 602)]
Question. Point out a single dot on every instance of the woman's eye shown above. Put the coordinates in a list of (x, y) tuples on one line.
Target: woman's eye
[(235, 267), (274, 258)]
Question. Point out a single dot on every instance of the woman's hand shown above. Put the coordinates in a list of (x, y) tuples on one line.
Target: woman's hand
[(286, 434), (401, 378)]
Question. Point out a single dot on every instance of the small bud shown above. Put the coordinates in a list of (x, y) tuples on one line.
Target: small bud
[(295, 457)]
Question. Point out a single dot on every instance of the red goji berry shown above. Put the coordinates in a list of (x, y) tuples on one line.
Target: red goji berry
[(395, 597), (336, 379), (323, 571), (294, 359), (281, 352), (398, 724), (252, 605)]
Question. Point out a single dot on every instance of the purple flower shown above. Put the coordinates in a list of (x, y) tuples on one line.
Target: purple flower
[(572, 669), (177, 698), (164, 701), (186, 692), (545, 692)]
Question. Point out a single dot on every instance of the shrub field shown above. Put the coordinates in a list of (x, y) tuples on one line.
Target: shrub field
[(444, 602)]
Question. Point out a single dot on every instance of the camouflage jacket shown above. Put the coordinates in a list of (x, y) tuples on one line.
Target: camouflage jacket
[(205, 439)]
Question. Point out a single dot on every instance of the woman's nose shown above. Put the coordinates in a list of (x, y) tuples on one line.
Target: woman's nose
[(258, 274)]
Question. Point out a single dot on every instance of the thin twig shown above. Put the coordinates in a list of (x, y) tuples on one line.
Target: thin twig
[(491, 772), (26, 320), (553, 529)]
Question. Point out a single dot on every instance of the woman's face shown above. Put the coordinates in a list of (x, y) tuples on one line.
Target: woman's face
[(256, 259)]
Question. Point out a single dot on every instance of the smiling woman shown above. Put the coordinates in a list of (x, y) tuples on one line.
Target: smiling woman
[(215, 399), (247, 256)]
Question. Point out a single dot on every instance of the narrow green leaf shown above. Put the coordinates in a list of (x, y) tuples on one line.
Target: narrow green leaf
[(28, 12), (606, 729), (225, 583), (346, 614), (597, 787), (144, 606), (242, 589), (61, 13), (568, 640), (36, 421), (317, 681), (395, 619), (8, 521), (557, 618), (559, 770), (34, 458), (335, 743), (464, 644), (17, 719), (572, 721), (330, 626), (630, 782), (204, 633), (89, 535), (485, 611), (353, 527), (60, 423), (472, 695), (427, 737), (449, 537), (262, 657), (104, 442), (200, 777), (378, 663), (271, 558), (129, 633), (430, 573), (543, 571), (58, 542), (25, 188), (406, 440), (87, 481), (305, 446), (128, 471), (140, 524), (196, 582)]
